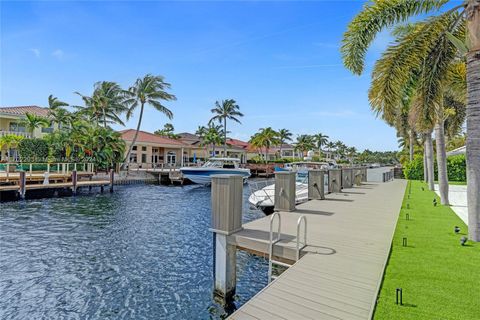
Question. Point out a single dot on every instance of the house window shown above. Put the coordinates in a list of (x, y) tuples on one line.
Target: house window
[(133, 157), (17, 127), (144, 148), (134, 148), (47, 129), (144, 158), (171, 158)]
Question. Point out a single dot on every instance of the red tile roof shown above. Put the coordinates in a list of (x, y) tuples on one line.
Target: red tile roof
[(22, 110), (237, 143), (148, 137)]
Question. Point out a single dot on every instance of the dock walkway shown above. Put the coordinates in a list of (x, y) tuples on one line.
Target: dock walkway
[(349, 239)]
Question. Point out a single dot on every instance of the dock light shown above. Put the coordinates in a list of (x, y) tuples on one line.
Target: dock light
[(399, 296), (457, 229), (463, 240)]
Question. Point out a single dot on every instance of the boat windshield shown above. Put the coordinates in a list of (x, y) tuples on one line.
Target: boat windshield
[(225, 164)]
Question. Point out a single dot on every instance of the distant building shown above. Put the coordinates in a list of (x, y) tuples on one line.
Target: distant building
[(11, 119), (153, 151)]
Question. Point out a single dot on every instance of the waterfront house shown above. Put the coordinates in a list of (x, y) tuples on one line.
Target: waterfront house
[(197, 150), (11, 119), (155, 151)]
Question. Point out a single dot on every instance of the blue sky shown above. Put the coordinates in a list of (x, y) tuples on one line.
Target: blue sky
[(279, 60)]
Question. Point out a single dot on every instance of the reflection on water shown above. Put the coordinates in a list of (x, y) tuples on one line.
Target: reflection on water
[(143, 252)]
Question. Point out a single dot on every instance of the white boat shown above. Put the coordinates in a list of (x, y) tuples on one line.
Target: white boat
[(263, 192), (203, 174)]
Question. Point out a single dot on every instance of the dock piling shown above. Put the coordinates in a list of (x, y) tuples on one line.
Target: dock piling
[(22, 182), (335, 180), (112, 179), (316, 187), (227, 200), (285, 188), (74, 182), (347, 178)]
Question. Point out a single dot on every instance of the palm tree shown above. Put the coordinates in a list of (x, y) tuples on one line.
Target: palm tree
[(267, 138), (9, 141), (379, 15), (304, 143), (107, 103), (149, 90), (213, 136), (320, 140), (54, 103), (283, 135), (226, 109), (32, 122)]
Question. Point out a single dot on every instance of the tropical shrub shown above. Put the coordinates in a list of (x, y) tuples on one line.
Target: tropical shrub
[(33, 150), (456, 167)]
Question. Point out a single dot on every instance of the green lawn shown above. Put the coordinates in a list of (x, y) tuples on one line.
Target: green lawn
[(439, 277)]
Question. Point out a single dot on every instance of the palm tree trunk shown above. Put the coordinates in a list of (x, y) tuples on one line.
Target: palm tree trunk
[(127, 158), (442, 162), (225, 137), (473, 122), (411, 144), (429, 156), (425, 169)]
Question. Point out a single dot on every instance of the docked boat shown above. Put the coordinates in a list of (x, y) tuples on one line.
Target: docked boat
[(263, 192), (203, 174)]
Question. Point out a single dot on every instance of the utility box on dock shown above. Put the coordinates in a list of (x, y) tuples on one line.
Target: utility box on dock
[(227, 200), (316, 185), (285, 190), (335, 180)]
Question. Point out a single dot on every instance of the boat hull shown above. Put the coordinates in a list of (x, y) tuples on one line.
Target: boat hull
[(204, 176)]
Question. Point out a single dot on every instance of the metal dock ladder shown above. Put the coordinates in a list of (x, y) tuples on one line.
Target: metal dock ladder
[(300, 246)]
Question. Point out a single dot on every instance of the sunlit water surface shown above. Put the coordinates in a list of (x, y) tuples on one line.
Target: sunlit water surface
[(143, 252)]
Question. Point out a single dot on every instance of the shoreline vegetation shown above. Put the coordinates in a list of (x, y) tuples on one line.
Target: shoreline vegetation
[(438, 276)]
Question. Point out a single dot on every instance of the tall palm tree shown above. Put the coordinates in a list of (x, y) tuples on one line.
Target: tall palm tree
[(149, 90), (320, 141), (107, 103), (379, 15), (54, 103), (32, 122), (226, 109), (283, 135), (213, 136)]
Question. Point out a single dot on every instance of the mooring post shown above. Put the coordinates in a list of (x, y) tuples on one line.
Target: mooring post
[(22, 183), (285, 188), (112, 179), (316, 184), (74, 181), (227, 200), (335, 180), (346, 178), (364, 174)]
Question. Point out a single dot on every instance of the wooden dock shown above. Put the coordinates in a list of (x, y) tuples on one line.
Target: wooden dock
[(340, 273)]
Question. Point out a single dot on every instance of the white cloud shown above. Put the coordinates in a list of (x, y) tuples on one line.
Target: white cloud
[(59, 54), (35, 51)]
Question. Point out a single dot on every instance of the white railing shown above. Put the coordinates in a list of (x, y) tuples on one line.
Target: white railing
[(15, 133), (56, 167)]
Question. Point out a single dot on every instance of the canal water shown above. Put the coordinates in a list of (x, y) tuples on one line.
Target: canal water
[(143, 252)]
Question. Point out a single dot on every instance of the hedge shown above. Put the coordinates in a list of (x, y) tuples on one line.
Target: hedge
[(456, 167), (33, 150)]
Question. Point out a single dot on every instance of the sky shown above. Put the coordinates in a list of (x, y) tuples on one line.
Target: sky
[(279, 60)]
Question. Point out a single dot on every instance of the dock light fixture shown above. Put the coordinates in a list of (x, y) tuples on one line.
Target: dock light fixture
[(463, 240), (457, 229), (404, 242), (399, 296)]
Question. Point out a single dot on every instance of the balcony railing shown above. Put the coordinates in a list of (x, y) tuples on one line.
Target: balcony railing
[(16, 133)]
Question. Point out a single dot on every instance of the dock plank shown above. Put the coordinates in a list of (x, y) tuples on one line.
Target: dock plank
[(349, 238)]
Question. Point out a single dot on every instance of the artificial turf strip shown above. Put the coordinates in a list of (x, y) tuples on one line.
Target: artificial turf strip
[(440, 278)]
